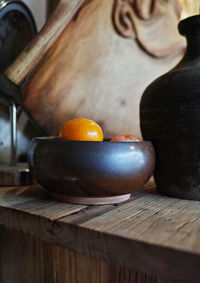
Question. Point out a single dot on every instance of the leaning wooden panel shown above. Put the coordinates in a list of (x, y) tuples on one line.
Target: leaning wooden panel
[(103, 61)]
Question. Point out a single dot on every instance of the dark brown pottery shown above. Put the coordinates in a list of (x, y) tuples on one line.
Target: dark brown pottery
[(170, 118), (90, 172)]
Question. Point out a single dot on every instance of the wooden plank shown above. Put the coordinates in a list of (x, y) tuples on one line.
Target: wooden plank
[(45, 39), (35, 200), (94, 74), (164, 221), (93, 211), (48, 208), (31, 260), (139, 213), (22, 260), (14, 195), (153, 220), (151, 233)]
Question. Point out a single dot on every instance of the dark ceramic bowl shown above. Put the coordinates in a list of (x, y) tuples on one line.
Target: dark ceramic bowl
[(90, 172)]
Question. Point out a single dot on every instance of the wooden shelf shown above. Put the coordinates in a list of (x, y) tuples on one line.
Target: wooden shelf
[(151, 233)]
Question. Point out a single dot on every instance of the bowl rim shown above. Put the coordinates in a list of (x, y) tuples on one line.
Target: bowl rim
[(55, 139)]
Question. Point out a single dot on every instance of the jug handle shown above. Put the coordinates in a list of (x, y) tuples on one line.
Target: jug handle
[(48, 35)]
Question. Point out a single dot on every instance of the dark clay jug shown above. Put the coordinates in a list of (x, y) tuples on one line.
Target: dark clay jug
[(170, 118)]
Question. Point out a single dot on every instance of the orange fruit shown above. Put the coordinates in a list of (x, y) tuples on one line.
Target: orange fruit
[(125, 138), (81, 130)]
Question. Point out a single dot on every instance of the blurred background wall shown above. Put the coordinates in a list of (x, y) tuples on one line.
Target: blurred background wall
[(39, 10)]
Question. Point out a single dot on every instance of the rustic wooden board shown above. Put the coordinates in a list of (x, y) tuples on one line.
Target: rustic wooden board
[(94, 71), (150, 233), (35, 200), (27, 259)]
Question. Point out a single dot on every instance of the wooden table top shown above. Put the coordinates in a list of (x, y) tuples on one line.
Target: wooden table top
[(150, 233)]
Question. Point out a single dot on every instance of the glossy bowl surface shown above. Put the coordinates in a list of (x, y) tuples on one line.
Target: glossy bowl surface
[(90, 169)]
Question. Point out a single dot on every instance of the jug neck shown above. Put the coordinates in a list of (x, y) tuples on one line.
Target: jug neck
[(190, 28)]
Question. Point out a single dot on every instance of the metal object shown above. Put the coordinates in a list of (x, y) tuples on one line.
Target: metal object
[(79, 170), (15, 175), (10, 93), (29, 57), (17, 28), (13, 121)]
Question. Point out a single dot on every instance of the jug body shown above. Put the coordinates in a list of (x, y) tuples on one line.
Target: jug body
[(170, 118)]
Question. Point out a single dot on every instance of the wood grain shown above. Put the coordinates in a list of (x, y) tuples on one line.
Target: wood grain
[(150, 233), (94, 72), (27, 259), (51, 4), (32, 54), (35, 200)]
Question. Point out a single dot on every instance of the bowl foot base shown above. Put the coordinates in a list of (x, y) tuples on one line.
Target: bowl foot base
[(91, 200)]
